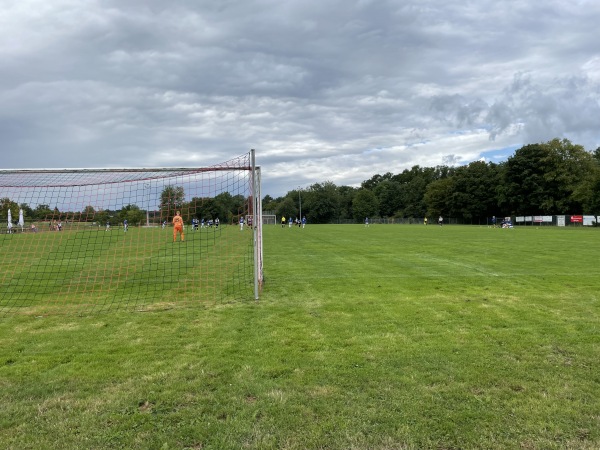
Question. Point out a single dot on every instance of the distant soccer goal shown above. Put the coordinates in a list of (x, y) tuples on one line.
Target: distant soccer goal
[(101, 239), (269, 219)]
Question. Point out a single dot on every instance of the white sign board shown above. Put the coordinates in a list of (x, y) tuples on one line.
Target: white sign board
[(589, 220)]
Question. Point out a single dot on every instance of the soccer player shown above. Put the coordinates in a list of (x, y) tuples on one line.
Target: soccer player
[(178, 227), (107, 226), (366, 221), (441, 221), (241, 223), (125, 225), (282, 221), (303, 221)]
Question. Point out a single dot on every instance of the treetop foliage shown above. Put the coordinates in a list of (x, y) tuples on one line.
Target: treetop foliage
[(554, 177), (549, 178)]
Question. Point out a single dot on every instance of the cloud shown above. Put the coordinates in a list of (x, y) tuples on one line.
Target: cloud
[(323, 91)]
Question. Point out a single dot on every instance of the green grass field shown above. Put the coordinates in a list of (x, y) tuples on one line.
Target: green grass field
[(387, 337), (84, 269)]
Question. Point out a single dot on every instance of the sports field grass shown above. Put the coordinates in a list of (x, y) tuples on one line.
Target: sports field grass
[(387, 337), (86, 268)]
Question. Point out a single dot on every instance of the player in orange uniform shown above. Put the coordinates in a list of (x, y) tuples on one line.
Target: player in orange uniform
[(178, 227)]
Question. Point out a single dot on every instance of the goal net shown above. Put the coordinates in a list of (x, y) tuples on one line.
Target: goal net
[(86, 240)]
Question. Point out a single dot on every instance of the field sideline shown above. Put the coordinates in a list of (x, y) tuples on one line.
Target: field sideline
[(386, 337)]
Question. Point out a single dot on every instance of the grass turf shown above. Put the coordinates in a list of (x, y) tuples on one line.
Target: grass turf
[(387, 337), (85, 268)]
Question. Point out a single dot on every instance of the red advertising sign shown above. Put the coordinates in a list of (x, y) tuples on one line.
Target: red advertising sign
[(576, 219)]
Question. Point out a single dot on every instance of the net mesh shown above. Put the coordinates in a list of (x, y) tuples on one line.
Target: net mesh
[(93, 240)]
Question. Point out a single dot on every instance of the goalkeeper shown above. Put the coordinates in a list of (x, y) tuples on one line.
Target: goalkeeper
[(178, 227)]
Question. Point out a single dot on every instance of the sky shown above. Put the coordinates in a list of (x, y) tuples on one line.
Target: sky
[(323, 90)]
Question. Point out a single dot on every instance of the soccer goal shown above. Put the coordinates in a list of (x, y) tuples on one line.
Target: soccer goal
[(269, 219), (101, 239)]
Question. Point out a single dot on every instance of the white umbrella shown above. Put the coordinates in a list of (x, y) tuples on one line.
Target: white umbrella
[(21, 221), (9, 221)]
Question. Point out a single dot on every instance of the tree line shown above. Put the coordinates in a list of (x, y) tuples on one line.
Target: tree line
[(224, 206), (550, 178)]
